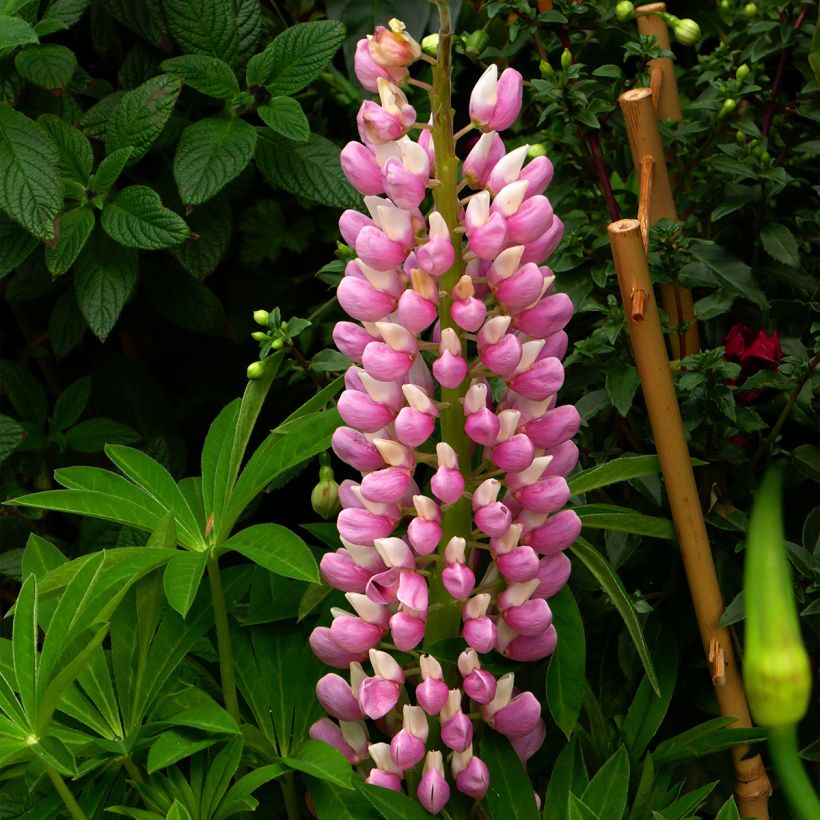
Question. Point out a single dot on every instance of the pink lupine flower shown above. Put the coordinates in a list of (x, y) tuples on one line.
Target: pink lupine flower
[(385, 774), (378, 694), (361, 169), (368, 70), (346, 737), (471, 774), (482, 159), (467, 311), (433, 790), (456, 727), (393, 47), (477, 683), (486, 232), (424, 531), (432, 692), (458, 579), (338, 697), (512, 716), (407, 745), (479, 631), (496, 101)]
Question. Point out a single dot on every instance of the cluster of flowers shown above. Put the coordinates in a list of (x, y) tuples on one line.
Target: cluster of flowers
[(504, 311)]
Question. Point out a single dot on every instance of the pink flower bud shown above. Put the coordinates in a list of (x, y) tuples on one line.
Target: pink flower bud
[(541, 248), (377, 126), (402, 186), (518, 718), (486, 239), (532, 648), (360, 167), (353, 635), (556, 533), (354, 449), (530, 618), (378, 251), (515, 454), (458, 580), (432, 692), (450, 370), (480, 634), (547, 317), (481, 160), (415, 312), (469, 313), (350, 223), (493, 519), (554, 427), (480, 685), (351, 339), (473, 779), (545, 496), (406, 750), (377, 696), (360, 411), (406, 630), (482, 427), (336, 696), (413, 591), (368, 70), (539, 175), (424, 535), (433, 791), (362, 526), (393, 47), (507, 169), (413, 427), (495, 102), (386, 486), (503, 357), (384, 363), (564, 459), (386, 780), (544, 378), (457, 732), (326, 650), (341, 572), (553, 574), (360, 300), (532, 219), (520, 290), (555, 345), (328, 732), (527, 745)]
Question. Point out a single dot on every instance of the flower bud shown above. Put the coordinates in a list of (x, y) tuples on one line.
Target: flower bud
[(261, 317), (255, 370), (477, 41), (729, 105), (742, 72), (624, 10), (750, 9), (687, 32), (566, 59), (547, 71), (429, 45), (325, 496), (259, 336)]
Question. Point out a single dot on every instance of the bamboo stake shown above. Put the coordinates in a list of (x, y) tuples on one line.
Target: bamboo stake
[(645, 139), (752, 787), (650, 22)]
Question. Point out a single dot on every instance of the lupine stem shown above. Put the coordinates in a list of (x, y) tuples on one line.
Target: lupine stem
[(443, 622), (223, 640), (792, 775), (67, 797)]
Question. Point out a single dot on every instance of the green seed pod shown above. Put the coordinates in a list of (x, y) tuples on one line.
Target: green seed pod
[(259, 336), (477, 41), (566, 59), (255, 370), (261, 317), (687, 32), (742, 72), (728, 106), (776, 668), (429, 45), (624, 10), (325, 495), (740, 138), (547, 71)]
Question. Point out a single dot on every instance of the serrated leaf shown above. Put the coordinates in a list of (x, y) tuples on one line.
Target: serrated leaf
[(73, 229), (734, 274), (779, 242), (66, 324), (186, 302), (26, 393), (74, 149), (208, 75), (110, 169), (92, 435), (181, 579), (308, 169), (566, 675), (50, 66), (66, 12), (296, 56), (277, 549), (211, 229), (510, 795), (71, 403), (285, 116), (15, 32), (15, 244), (323, 761), (249, 25), (141, 114), (137, 218), (210, 154), (105, 277), (204, 27), (144, 17), (30, 189), (11, 434)]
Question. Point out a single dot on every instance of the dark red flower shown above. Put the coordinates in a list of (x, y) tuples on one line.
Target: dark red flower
[(753, 350)]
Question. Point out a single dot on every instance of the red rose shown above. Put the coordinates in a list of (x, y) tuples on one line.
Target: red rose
[(753, 350)]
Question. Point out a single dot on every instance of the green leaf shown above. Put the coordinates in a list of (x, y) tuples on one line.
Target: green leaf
[(49, 66), (391, 805), (72, 231), (211, 232), (735, 275), (682, 809), (621, 383), (105, 275), (66, 325), (207, 718), (604, 517), (606, 794), (66, 12), (578, 810), (30, 189), (296, 56), (215, 464), (728, 811), (26, 394), (705, 738), (323, 761), (316, 403), (211, 153), (208, 75), (181, 579), (220, 773), (234, 800), (285, 116), (24, 646), (611, 584), (141, 114), (308, 169), (204, 27), (11, 435), (619, 469), (277, 549), (564, 779), (92, 435), (566, 676), (74, 149), (175, 745), (110, 169), (277, 454), (510, 796), (71, 403), (15, 32), (335, 803), (137, 218), (779, 242), (16, 244)]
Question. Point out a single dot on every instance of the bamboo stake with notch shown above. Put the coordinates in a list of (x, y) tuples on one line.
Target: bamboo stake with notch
[(662, 69), (752, 787)]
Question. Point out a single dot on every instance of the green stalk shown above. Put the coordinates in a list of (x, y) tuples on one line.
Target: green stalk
[(443, 621), (288, 783), (791, 774), (68, 798), (223, 639)]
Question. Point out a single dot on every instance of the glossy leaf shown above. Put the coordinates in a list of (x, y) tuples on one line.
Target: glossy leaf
[(391, 805), (24, 646), (566, 676), (510, 795), (705, 738), (181, 579), (607, 791), (323, 761), (276, 548)]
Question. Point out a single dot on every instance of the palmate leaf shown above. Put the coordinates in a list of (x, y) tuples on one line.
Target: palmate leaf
[(181, 579), (30, 189)]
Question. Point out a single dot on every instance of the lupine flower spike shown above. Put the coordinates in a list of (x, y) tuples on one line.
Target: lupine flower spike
[(456, 337)]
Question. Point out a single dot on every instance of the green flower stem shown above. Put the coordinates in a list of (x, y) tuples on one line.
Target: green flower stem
[(288, 783), (791, 774), (132, 769), (456, 519), (67, 797), (223, 639)]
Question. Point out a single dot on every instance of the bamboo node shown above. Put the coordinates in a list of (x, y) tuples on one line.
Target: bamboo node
[(717, 662), (638, 297)]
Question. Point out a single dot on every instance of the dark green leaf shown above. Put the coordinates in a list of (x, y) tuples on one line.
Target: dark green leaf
[(204, 27), (92, 435), (323, 761), (211, 230), (244, 787), (25, 393), (510, 796), (391, 805), (71, 403), (682, 808), (705, 738), (74, 149), (73, 229), (578, 810), (337, 803), (285, 116), (110, 169), (30, 188), (66, 325), (602, 517), (208, 75), (566, 676), (621, 383), (736, 275), (15, 32), (210, 154), (16, 244), (137, 218), (49, 66), (606, 794), (173, 745), (728, 811), (779, 242), (563, 781), (619, 469), (277, 549), (11, 435)]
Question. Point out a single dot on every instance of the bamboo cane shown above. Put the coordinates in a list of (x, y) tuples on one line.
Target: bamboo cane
[(650, 22), (645, 140), (752, 787)]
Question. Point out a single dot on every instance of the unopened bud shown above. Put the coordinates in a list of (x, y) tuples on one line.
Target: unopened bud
[(566, 58), (750, 9), (255, 370), (429, 45), (742, 72), (325, 495), (259, 336), (277, 344), (261, 317), (687, 32), (547, 71), (477, 41), (728, 106), (624, 10), (776, 667)]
